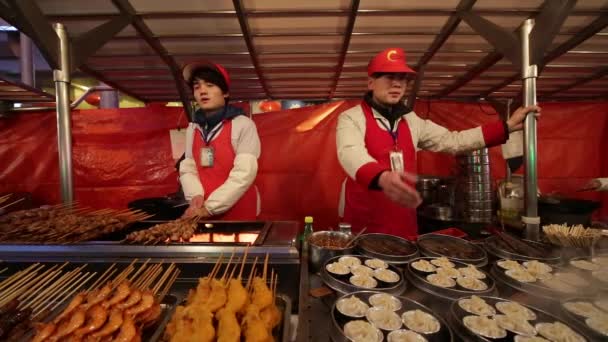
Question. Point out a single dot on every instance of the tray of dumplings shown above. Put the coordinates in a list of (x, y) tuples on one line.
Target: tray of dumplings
[(590, 315), (371, 316), (350, 273), (448, 278), (496, 319), (541, 279), (595, 269)]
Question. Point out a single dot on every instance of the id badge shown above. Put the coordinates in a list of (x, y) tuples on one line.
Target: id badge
[(396, 158), (207, 156)]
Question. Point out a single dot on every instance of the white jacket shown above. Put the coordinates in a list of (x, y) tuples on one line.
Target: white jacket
[(426, 135), (246, 146)]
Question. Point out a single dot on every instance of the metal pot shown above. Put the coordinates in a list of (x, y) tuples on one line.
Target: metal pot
[(318, 255)]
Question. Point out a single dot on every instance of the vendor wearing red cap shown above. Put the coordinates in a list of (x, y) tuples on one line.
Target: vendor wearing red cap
[(222, 149), (377, 143)]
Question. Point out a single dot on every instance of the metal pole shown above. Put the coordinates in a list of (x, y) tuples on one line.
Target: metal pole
[(109, 98), (529, 74), (61, 77), (25, 60), (508, 115)]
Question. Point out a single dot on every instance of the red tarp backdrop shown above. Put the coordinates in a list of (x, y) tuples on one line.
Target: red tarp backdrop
[(122, 155)]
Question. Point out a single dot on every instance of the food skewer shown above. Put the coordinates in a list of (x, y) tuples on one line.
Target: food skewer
[(12, 203)]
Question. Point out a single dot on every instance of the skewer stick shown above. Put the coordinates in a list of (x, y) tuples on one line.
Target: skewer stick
[(75, 287), (143, 278), (164, 277), (276, 282), (15, 202), (169, 284), (232, 273), (216, 268), (38, 301), (243, 262), (265, 268), (57, 295), (227, 266), (251, 273), (150, 279), (103, 276), (8, 281), (41, 281), (141, 268), (4, 270), (33, 293), (16, 289)]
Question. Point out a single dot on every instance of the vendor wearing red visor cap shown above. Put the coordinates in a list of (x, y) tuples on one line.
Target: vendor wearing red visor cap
[(222, 150), (377, 143)]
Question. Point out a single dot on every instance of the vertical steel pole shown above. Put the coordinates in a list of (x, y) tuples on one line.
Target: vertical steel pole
[(61, 77), (26, 60), (529, 75)]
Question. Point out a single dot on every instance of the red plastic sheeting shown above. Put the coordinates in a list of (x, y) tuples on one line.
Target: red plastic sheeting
[(121, 155)]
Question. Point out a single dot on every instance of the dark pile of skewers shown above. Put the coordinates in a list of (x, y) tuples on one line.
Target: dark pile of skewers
[(64, 224), (224, 309), (115, 309), (180, 230), (31, 294)]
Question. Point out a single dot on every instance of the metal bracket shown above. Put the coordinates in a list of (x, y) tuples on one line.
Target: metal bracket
[(547, 26), (27, 16), (504, 41), (88, 43), (548, 23)]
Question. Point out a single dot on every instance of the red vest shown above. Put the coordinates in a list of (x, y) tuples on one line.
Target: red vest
[(371, 208), (245, 208)]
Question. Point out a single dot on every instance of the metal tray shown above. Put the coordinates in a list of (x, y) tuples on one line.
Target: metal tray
[(343, 286), (391, 258), (535, 289), (491, 245), (588, 274), (457, 314), (281, 333), (418, 279), (479, 261), (338, 320), (579, 321)]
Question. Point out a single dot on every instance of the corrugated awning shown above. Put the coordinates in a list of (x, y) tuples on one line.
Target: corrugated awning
[(319, 49)]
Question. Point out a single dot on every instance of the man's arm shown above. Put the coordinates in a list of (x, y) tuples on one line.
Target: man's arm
[(436, 138), (188, 174), (246, 144), (352, 153)]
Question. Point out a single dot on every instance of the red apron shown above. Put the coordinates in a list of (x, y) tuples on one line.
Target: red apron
[(371, 208), (245, 208)]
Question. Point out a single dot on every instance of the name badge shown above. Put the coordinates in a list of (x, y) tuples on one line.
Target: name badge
[(207, 156), (397, 164)]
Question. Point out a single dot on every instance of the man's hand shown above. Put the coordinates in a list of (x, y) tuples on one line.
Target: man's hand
[(394, 185), (196, 203), (592, 185), (516, 121)]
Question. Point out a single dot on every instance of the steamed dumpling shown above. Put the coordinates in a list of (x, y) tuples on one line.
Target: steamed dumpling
[(443, 262), (471, 271), (509, 264), (423, 266), (352, 306), (440, 280), (484, 326), (585, 265), (515, 324), (472, 283), (420, 321), (558, 331), (362, 331), (515, 309), (477, 306), (521, 275)]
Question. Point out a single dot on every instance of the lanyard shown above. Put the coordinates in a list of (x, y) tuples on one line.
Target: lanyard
[(209, 137), (394, 135)]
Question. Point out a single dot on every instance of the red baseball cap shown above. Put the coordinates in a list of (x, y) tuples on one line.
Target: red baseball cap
[(389, 60), (190, 68)]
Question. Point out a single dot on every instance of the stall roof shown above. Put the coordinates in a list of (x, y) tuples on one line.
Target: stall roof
[(15, 91), (319, 49)]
